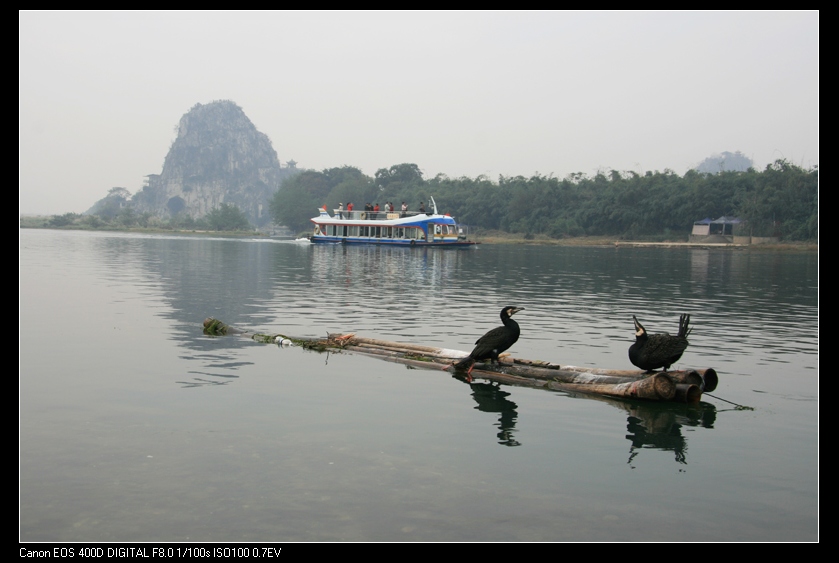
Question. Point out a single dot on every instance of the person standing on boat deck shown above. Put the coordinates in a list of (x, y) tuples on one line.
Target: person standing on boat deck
[(349, 210), (404, 209), (340, 210), (422, 207), (376, 211)]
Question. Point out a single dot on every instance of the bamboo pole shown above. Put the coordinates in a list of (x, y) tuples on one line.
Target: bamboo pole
[(681, 385), (658, 387)]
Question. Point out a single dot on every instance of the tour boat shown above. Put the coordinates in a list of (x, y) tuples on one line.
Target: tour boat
[(389, 228)]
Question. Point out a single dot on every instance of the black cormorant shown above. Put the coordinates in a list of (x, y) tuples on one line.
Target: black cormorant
[(494, 342), (652, 351)]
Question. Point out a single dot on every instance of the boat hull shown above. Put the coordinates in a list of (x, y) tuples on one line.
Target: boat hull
[(320, 239)]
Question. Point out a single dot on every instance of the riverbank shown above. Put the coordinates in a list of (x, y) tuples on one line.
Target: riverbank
[(489, 237), (498, 237), (41, 223)]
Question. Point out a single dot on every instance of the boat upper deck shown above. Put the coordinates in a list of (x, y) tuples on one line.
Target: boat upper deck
[(382, 217)]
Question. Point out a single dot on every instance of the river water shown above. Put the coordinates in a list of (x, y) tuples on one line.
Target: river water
[(135, 426)]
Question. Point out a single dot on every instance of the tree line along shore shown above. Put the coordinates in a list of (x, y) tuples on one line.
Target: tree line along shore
[(780, 201)]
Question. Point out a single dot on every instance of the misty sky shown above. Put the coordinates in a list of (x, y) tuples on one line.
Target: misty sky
[(458, 93)]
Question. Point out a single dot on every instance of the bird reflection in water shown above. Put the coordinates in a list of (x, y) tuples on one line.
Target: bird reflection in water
[(659, 427), (491, 398)]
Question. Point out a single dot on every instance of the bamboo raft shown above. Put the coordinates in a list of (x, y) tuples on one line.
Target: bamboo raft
[(685, 386)]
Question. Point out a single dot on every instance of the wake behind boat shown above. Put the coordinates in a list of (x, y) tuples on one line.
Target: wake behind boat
[(388, 228)]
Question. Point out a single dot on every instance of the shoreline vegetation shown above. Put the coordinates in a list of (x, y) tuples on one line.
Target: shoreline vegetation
[(780, 202), (481, 236), (773, 208)]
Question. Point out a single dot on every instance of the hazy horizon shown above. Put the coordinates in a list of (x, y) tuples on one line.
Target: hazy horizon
[(457, 93)]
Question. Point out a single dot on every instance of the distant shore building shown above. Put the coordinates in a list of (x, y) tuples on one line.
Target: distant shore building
[(721, 231), (724, 226)]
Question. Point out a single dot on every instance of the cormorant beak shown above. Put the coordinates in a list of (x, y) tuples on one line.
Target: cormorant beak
[(639, 330), (516, 310)]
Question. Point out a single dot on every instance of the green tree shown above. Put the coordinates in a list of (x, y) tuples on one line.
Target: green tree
[(126, 217), (110, 206), (227, 217), (781, 201), (301, 196), (399, 176), (63, 220)]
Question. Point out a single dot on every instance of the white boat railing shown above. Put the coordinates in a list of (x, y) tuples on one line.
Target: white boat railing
[(361, 215)]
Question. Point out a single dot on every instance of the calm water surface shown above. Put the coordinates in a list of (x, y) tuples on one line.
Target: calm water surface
[(135, 426)]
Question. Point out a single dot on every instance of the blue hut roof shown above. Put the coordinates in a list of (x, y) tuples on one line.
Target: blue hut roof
[(719, 221)]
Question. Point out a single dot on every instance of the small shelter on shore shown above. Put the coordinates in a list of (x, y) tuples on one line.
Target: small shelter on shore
[(723, 226), (719, 230)]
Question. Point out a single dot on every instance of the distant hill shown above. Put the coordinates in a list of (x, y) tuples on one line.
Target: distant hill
[(725, 162), (218, 157)]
